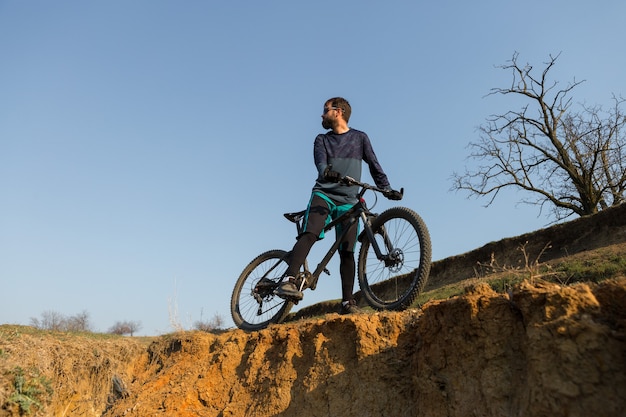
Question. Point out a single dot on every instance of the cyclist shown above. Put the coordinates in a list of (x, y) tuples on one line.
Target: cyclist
[(337, 153)]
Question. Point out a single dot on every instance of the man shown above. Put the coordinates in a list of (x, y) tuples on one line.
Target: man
[(337, 153)]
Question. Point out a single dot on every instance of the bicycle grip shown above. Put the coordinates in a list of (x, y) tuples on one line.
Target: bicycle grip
[(394, 195)]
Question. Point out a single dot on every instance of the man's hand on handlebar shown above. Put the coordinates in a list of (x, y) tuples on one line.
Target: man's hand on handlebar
[(393, 194), (330, 175), (334, 176)]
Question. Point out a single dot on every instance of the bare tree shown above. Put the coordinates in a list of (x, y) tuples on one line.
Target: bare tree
[(209, 325), (52, 320), (78, 323), (125, 327), (574, 161)]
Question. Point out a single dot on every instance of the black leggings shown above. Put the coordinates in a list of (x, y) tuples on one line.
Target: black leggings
[(347, 266), (318, 212)]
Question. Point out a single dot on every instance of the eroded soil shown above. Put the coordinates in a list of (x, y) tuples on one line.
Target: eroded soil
[(541, 350)]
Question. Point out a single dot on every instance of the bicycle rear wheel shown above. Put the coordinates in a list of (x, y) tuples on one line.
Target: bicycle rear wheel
[(253, 304), (395, 282)]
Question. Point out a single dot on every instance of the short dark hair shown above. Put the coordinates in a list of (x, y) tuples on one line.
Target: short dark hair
[(343, 104)]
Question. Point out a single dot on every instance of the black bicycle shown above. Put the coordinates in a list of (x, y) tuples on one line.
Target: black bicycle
[(393, 264)]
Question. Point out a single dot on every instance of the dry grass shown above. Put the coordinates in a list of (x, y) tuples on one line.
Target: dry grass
[(591, 266)]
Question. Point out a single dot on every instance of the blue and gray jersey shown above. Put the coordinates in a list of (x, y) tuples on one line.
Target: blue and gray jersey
[(345, 152)]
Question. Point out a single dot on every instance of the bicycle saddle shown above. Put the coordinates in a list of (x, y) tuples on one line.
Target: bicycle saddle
[(295, 217)]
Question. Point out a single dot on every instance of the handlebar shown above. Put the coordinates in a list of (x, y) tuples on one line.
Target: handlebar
[(397, 195), (334, 176)]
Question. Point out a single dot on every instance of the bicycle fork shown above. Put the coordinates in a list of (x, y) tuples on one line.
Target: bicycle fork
[(393, 258)]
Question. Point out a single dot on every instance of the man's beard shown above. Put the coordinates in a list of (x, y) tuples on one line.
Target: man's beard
[(327, 124)]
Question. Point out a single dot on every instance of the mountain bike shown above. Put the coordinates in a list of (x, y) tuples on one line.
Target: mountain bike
[(393, 264)]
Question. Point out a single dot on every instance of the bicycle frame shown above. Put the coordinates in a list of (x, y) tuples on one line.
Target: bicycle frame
[(393, 262), (356, 212)]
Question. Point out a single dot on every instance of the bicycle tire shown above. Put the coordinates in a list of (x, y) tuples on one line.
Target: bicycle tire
[(255, 310), (395, 285)]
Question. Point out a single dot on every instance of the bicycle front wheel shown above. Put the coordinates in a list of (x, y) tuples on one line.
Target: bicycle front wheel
[(253, 304), (395, 281)]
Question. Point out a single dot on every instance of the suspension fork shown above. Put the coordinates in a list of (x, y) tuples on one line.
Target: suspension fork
[(370, 236)]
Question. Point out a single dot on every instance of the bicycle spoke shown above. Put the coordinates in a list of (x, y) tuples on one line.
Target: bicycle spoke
[(394, 281), (253, 304)]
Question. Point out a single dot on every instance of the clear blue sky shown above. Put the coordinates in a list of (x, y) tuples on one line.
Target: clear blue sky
[(149, 148)]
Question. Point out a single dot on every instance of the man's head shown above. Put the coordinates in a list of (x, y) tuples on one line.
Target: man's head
[(336, 114)]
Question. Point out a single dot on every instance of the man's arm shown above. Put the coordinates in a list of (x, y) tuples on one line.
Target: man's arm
[(320, 156), (376, 171)]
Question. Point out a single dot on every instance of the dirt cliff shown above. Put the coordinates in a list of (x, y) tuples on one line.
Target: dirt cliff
[(541, 350), (537, 349)]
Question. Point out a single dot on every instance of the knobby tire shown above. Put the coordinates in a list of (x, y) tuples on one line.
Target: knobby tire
[(395, 285), (244, 306)]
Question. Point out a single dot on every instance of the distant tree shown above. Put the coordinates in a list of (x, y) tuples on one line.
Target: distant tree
[(125, 327), (207, 326), (55, 321), (573, 161), (78, 323), (50, 320)]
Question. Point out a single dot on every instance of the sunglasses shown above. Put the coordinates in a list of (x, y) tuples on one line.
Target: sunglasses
[(326, 110)]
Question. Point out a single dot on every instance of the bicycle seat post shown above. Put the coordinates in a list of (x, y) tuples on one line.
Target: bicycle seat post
[(300, 226)]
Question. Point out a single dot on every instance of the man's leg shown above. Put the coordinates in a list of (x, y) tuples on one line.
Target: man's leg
[(347, 272), (347, 269), (300, 251), (316, 216)]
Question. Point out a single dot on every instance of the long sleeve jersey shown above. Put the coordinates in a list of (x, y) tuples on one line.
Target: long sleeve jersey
[(345, 152)]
